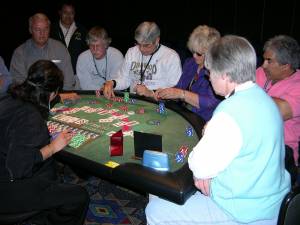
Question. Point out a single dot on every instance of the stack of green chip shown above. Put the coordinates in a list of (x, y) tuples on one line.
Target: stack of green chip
[(126, 97), (77, 140)]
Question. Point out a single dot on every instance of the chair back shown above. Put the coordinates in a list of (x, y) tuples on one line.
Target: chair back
[(289, 213)]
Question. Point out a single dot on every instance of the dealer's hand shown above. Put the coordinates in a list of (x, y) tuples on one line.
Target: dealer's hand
[(108, 90), (203, 185), (57, 144), (61, 141)]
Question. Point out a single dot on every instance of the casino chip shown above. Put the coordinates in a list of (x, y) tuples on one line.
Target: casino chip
[(179, 158), (153, 122), (189, 131), (140, 111), (184, 150)]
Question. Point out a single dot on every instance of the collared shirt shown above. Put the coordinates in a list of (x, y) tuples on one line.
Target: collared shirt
[(288, 90), (68, 32), (28, 53)]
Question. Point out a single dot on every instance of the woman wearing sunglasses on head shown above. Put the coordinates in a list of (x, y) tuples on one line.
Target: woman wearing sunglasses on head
[(194, 87)]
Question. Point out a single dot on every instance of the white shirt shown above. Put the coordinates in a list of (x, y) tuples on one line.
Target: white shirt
[(68, 32), (163, 70), (220, 144)]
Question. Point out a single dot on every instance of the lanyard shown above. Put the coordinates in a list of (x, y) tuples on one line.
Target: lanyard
[(98, 73), (142, 72)]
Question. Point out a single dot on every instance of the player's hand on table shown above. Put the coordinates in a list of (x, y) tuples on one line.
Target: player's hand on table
[(169, 93), (61, 141), (203, 185), (108, 89), (141, 89), (156, 96)]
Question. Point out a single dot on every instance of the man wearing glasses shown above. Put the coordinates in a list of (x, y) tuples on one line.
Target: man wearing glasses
[(147, 66)]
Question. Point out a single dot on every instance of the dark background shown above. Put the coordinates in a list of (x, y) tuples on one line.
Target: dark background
[(257, 20)]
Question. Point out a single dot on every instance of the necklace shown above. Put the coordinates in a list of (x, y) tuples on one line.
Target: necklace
[(266, 88), (199, 72), (142, 72), (98, 73), (195, 78)]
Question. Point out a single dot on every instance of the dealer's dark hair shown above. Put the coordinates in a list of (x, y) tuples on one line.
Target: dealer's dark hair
[(44, 77)]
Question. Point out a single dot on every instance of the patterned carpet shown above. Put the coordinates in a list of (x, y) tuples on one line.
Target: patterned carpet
[(110, 204)]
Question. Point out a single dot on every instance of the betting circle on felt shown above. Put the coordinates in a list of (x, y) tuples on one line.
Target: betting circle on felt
[(98, 122)]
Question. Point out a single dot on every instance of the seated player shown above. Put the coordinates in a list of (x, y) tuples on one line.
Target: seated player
[(100, 62), (238, 165), (280, 78), (148, 66), (40, 46), (28, 173), (194, 87), (5, 78)]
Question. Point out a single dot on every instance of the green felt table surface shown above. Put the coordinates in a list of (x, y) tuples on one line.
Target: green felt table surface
[(172, 128)]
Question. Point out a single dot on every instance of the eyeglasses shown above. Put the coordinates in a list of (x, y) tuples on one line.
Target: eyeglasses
[(198, 54)]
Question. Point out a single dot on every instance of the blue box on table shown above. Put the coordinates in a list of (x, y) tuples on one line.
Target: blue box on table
[(156, 160)]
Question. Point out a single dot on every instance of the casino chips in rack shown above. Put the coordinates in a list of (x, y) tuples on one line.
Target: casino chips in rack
[(79, 136)]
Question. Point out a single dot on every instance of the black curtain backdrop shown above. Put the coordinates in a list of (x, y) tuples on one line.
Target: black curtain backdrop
[(257, 20)]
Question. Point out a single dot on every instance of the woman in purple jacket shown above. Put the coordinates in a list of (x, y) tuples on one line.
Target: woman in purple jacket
[(194, 87)]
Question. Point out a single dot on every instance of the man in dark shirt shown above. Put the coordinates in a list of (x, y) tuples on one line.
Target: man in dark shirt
[(69, 32)]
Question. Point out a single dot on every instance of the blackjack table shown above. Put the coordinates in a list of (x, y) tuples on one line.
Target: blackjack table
[(93, 120)]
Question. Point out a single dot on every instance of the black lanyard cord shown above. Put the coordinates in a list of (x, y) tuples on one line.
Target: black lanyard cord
[(142, 72), (98, 73)]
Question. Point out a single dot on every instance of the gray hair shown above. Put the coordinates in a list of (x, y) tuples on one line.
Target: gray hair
[(98, 33), (234, 56), (286, 49), (38, 17), (202, 37), (147, 32)]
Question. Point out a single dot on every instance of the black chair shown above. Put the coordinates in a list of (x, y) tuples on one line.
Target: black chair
[(289, 213), (16, 218)]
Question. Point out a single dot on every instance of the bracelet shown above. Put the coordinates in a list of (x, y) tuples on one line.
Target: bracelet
[(183, 95)]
